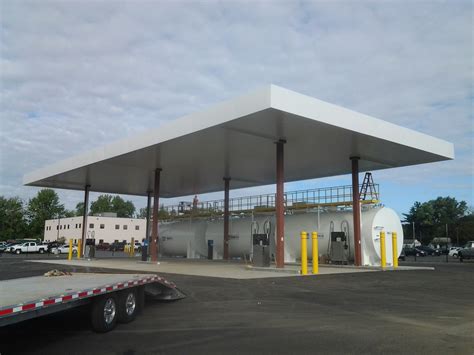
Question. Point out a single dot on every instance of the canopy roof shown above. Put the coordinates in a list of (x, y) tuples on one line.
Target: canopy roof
[(236, 139)]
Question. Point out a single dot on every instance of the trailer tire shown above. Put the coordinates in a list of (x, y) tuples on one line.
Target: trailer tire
[(127, 305), (104, 313)]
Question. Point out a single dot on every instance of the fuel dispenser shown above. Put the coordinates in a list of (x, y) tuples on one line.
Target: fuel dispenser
[(89, 251), (338, 247), (261, 245), (210, 249)]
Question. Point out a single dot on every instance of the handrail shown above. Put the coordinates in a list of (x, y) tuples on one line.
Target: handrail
[(330, 196)]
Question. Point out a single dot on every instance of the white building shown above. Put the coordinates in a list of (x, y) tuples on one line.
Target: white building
[(101, 228)]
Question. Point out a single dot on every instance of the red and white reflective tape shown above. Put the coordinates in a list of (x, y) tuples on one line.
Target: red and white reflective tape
[(34, 305)]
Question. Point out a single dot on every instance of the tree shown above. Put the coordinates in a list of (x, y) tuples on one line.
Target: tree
[(141, 213), (42, 207), (163, 213), (79, 209), (464, 230), (69, 213), (123, 208), (432, 217), (12, 218), (109, 203), (102, 204)]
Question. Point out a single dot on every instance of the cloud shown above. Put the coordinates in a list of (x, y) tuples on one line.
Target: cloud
[(78, 75)]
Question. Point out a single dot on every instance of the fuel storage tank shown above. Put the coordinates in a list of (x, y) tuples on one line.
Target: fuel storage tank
[(189, 237)]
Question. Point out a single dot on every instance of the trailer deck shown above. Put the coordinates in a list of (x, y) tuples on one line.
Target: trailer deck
[(30, 297)]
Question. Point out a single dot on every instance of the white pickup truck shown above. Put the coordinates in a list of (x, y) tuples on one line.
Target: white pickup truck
[(29, 247)]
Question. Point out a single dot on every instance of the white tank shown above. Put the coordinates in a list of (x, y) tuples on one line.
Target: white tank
[(190, 238)]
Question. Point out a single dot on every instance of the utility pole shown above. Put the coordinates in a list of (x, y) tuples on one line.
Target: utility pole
[(59, 222), (447, 252), (414, 244)]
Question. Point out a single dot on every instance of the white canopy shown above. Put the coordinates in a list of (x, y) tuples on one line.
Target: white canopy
[(236, 139)]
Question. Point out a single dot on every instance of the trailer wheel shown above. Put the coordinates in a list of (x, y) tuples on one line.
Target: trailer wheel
[(104, 313), (127, 305)]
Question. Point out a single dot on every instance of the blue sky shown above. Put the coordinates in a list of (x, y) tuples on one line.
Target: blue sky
[(78, 75)]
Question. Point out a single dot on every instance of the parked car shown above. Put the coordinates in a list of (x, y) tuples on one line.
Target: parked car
[(402, 256), (52, 245), (3, 246), (429, 250), (453, 251), (8, 247), (64, 249), (28, 247), (103, 246), (414, 251), (466, 253), (117, 246)]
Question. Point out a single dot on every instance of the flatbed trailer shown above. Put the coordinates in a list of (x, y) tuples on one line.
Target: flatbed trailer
[(113, 298)]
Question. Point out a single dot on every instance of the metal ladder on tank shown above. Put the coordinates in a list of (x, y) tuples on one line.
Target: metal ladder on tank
[(368, 187)]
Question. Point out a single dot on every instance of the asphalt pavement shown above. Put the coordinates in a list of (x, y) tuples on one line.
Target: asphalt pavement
[(422, 312)]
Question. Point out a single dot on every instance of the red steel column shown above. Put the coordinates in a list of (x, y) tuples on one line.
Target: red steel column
[(154, 228), (279, 205), (147, 228), (226, 218), (356, 210), (85, 212)]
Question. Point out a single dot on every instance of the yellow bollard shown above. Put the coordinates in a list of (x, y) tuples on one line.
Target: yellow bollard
[(79, 248), (69, 256), (394, 250), (132, 248), (315, 252), (304, 253), (383, 255)]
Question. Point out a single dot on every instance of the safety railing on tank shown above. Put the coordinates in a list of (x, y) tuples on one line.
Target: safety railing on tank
[(293, 200)]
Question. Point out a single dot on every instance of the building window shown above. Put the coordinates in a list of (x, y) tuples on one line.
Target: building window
[(60, 227), (76, 225), (137, 228), (125, 227), (68, 226), (91, 225), (102, 226), (117, 226), (57, 227), (80, 224)]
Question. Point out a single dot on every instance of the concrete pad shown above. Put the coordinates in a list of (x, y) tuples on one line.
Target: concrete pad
[(220, 269), (323, 269)]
